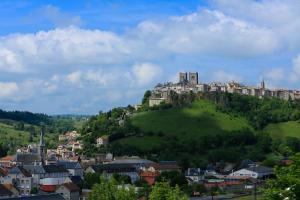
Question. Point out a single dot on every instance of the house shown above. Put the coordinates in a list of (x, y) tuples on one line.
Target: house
[(84, 194), (247, 163), (76, 179), (133, 160), (55, 171), (12, 188), (62, 137), (194, 175), (149, 176), (254, 172), (7, 161), (37, 172), (163, 166), (26, 158), (74, 168), (103, 158), (109, 169), (4, 192), (21, 178), (69, 191), (76, 145), (102, 141)]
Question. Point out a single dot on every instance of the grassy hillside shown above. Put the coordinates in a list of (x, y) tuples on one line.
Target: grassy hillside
[(284, 129), (198, 119), (11, 138)]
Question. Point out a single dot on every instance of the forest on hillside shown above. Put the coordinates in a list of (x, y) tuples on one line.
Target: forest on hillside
[(227, 146)]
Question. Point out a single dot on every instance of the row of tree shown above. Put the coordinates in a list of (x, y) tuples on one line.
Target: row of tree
[(112, 190)]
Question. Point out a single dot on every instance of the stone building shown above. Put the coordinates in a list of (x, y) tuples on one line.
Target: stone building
[(183, 77), (193, 78)]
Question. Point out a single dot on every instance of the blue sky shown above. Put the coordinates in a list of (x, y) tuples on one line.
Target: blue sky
[(58, 57)]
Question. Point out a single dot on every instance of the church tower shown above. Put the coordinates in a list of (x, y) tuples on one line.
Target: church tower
[(42, 146), (262, 85)]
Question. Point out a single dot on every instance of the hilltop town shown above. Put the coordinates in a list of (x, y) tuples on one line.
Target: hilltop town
[(189, 82)]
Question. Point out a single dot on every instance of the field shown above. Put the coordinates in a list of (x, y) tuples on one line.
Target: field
[(200, 118), (284, 129)]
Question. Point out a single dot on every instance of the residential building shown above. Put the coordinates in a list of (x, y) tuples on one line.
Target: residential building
[(254, 172), (74, 168), (194, 175), (109, 169), (69, 191), (21, 178), (102, 141)]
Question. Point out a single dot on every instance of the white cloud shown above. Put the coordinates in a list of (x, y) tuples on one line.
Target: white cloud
[(146, 73), (206, 32), (294, 76), (96, 61), (297, 64), (74, 77), (275, 74), (280, 16), (8, 90), (223, 76), (9, 61), (213, 32)]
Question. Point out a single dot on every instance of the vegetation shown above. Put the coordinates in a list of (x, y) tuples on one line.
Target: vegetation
[(194, 135), (110, 190), (26, 117), (21, 128), (259, 112), (287, 182), (163, 191), (284, 129)]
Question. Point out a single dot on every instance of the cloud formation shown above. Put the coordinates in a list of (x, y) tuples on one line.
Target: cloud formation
[(73, 61)]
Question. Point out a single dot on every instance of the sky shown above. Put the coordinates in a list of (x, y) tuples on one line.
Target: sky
[(80, 57)]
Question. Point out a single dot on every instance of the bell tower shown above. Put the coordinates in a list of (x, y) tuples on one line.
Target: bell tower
[(42, 146), (262, 85)]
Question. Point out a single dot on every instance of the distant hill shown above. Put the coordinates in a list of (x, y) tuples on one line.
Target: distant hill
[(25, 116), (191, 122)]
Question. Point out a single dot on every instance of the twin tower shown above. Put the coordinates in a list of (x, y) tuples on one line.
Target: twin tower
[(193, 78)]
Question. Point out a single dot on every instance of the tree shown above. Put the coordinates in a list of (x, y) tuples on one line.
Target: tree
[(109, 190), (163, 191), (287, 182), (34, 190), (146, 97)]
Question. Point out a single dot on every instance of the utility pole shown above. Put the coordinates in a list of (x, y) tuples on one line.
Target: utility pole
[(254, 190)]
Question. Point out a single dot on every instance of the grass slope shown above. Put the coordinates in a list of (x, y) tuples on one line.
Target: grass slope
[(13, 138), (185, 123), (284, 129)]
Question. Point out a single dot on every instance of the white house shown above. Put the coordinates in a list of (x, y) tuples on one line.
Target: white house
[(102, 141), (254, 172)]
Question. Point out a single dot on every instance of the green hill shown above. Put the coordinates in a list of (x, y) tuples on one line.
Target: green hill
[(11, 137), (284, 129), (199, 119)]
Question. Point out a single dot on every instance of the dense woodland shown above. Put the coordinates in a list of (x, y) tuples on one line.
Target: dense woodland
[(24, 116)]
